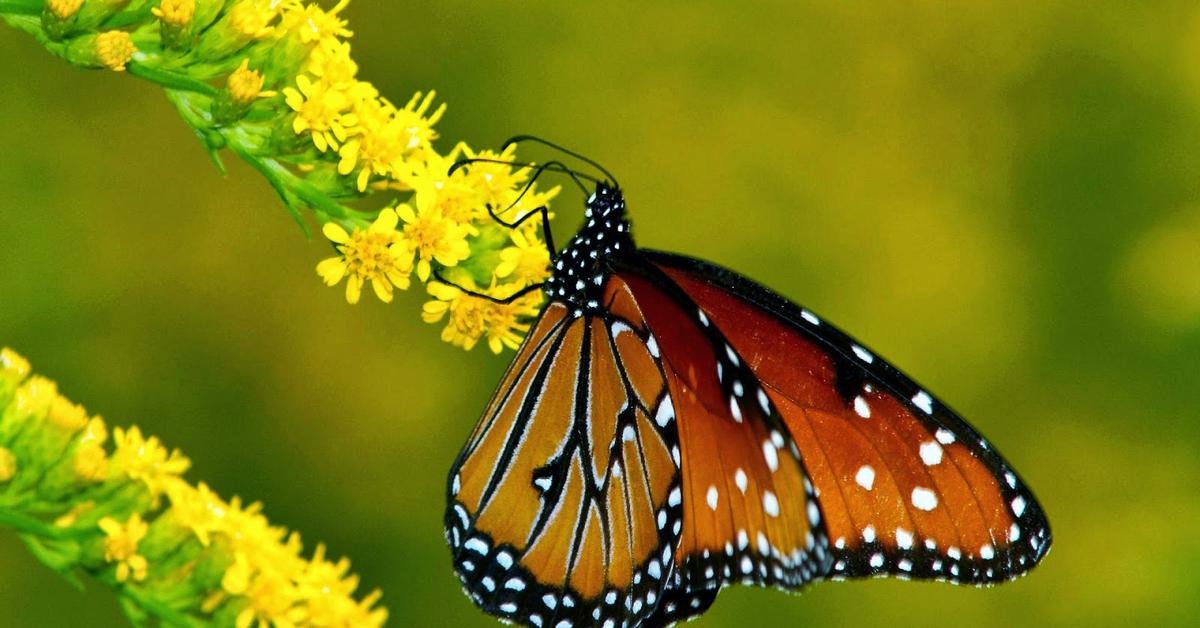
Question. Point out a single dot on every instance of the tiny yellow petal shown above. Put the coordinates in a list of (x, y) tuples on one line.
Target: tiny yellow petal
[(382, 288), (386, 221), (335, 233), (353, 289), (332, 270)]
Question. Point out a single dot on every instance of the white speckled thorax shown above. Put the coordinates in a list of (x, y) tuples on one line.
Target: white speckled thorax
[(580, 268)]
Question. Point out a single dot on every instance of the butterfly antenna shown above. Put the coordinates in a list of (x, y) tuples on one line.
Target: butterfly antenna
[(533, 138)]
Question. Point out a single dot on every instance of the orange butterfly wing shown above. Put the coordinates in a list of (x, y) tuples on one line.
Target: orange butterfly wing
[(565, 504), (750, 512), (906, 487)]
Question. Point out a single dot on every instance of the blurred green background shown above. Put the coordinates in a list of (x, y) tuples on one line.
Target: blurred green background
[(1003, 198)]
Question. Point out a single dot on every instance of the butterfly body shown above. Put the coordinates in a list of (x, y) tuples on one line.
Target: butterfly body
[(670, 427)]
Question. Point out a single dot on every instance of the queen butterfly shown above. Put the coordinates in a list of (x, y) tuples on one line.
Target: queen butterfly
[(670, 427)]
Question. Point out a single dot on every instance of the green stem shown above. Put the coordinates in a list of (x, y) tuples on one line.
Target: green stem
[(170, 80), (168, 615), (29, 525), (21, 7)]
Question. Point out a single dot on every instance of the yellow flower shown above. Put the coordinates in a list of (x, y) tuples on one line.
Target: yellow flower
[(66, 415), (121, 545), (245, 85), (418, 123), (13, 365), (8, 464), (176, 13), (91, 463), (466, 314), (114, 49), (456, 195), (63, 9), (145, 460), (496, 181), (272, 601), (389, 140), (527, 261), (331, 62), (95, 432), (471, 317), (379, 144), (376, 254), (433, 236), (316, 24), (252, 18), (320, 109), (197, 509), (34, 397)]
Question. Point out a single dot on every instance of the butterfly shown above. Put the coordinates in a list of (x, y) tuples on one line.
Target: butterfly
[(670, 427)]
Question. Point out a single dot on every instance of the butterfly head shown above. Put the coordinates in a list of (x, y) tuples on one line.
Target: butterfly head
[(580, 268)]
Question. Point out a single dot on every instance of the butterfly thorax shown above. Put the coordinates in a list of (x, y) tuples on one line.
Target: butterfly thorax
[(580, 268)]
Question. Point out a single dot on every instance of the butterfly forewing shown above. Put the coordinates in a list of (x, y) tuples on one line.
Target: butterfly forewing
[(565, 503), (906, 486)]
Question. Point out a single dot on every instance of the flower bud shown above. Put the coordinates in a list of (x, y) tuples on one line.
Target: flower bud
[(111, 50), (175, 20)]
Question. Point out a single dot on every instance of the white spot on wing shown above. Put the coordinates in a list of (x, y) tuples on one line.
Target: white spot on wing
[(810, 317), (862, 354), (740, 478), (931, 453), (770, 503), (924, 499), (712, 497), (1018, 505), (665, 412), (861, 408), (923, 401), (944, 436), (770, 455), (865, 477)]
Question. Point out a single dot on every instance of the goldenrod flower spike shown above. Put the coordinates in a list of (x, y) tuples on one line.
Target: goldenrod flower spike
[(327, 144), (132, 520)]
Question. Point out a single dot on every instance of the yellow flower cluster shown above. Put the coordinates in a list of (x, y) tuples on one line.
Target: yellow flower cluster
[(443, 227), (123, 512), (275, 82)]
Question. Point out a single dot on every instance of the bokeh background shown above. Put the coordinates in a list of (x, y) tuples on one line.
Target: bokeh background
[(1003, 198)]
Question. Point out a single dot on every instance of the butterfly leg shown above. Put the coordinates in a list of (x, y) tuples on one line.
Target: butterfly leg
[(497, 300)]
